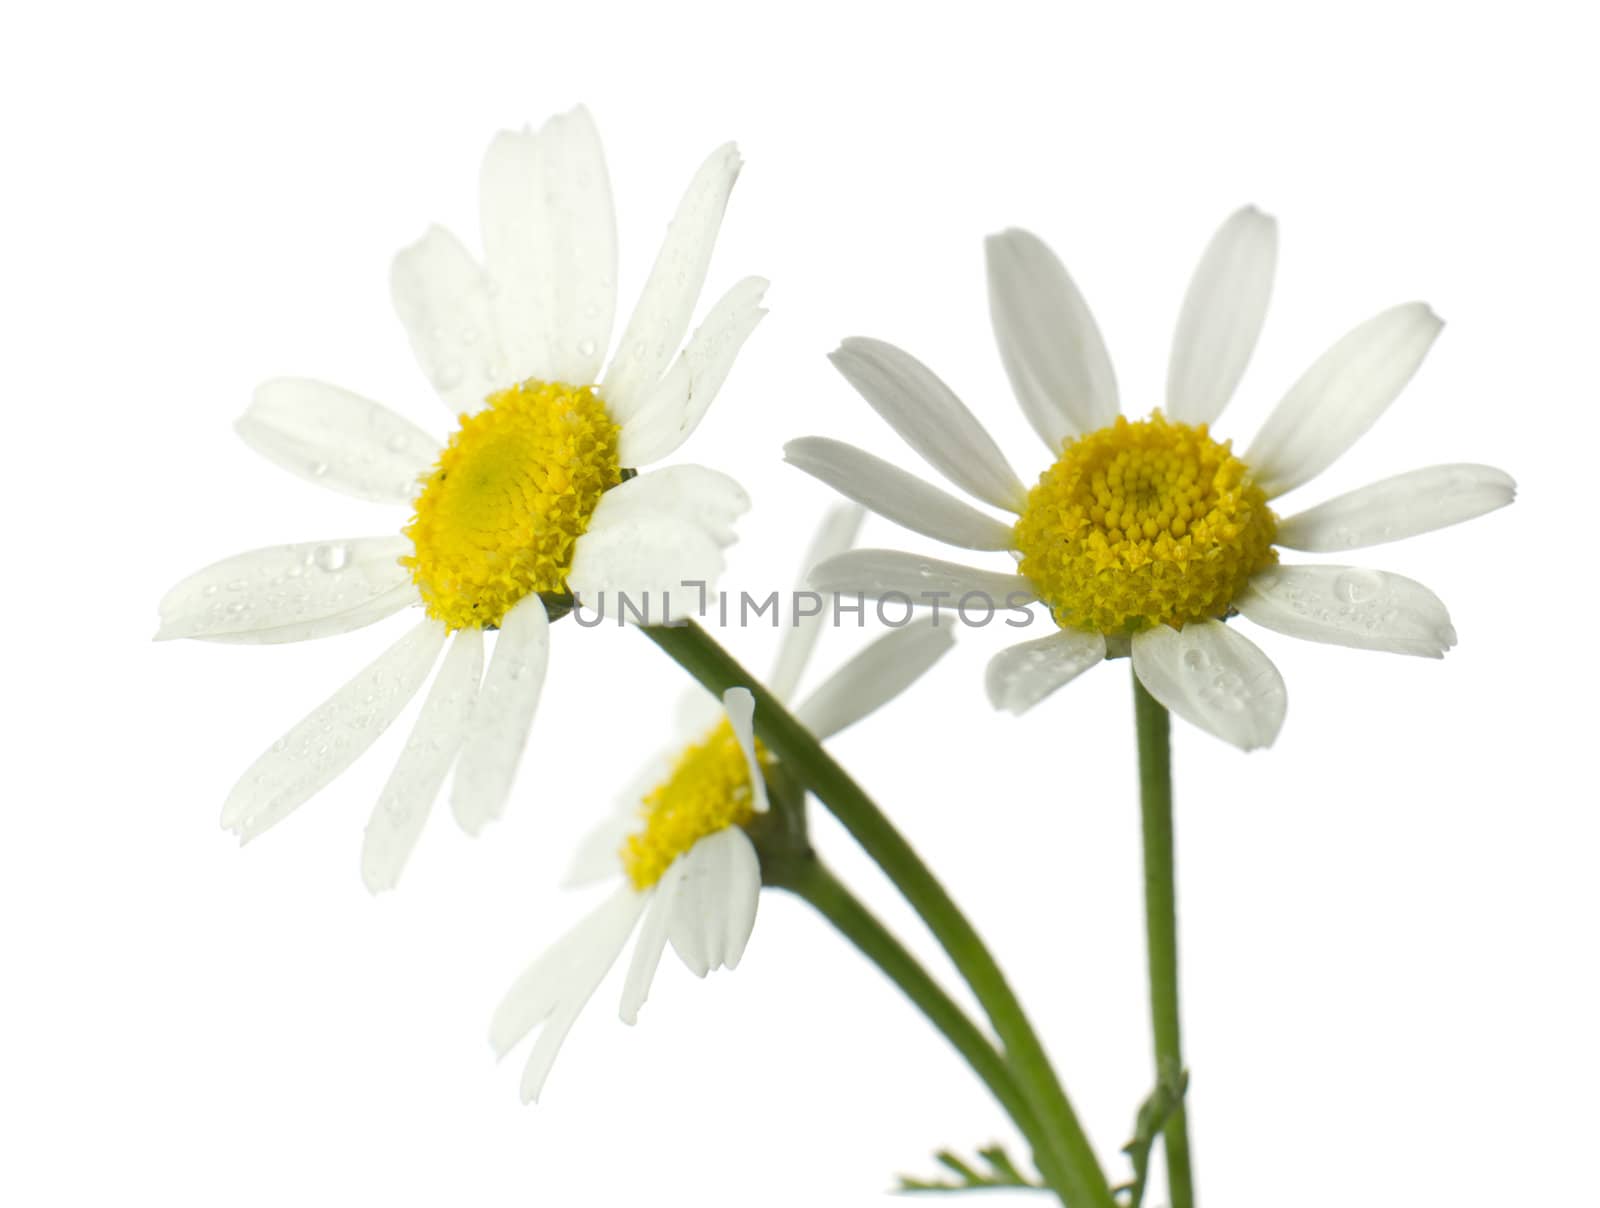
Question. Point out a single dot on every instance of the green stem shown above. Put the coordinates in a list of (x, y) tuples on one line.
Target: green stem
[(811, 881), (1161, 928), (794, 746)]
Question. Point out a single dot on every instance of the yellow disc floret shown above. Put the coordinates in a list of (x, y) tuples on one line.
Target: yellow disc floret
[(708, 790), (501, 514), (1142, 524)]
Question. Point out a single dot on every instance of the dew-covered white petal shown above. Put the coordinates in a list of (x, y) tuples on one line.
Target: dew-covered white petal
[(407, 799), (1341, 396), (1349, 606), (1403, 506), (1221, 317), (874, 677), (651, 942), (667, 302), (555, 988), (1214, 678), (378, 608), (318, 749), (692, 494), (288, 593), (670, 413), (338, 439), (896, 495), (879, 573), (1021, 676), (716, 905), (514, 254), (442, 297), (741, 708), (836, 534), (931, 419), (502, 716), (550, 248), (647, 572), (1049, 343)]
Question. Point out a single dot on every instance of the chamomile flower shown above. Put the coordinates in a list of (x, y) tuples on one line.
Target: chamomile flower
[(534, 498), (687, 871), (1145, 536)]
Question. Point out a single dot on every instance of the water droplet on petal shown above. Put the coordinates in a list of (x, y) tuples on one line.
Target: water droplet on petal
[(1357, 586), (331, 558)]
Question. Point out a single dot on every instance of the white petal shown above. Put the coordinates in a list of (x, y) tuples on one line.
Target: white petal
[(836, 534), (931, 419), (442, 297), (697, 711), (652, 942), (649, 571), (515, 256), (741, 707), (688, 493), (599, 853), (877, 675), (1021, 676), (503, 715), (716, 905), (333, 737), (876, 573), (290, 593), (378, 608), (670, 413), (1049, 343), (1399, 507), (1221, 317), (896, 495), (550, 245), (1340, 397), (665, 306), (1349, 606), (341, 440), (406, 800), (556, 987), (1214, 678), (541, 987)]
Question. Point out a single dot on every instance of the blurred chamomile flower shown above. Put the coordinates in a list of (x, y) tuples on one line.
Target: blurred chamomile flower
[(1145, 536), (533, 501), (677, 842)]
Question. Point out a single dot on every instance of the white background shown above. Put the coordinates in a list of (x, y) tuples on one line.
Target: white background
[(1388, 919)]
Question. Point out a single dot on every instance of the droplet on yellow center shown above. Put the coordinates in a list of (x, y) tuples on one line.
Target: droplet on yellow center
[(501, 513), (707, 791), (1143, 523)]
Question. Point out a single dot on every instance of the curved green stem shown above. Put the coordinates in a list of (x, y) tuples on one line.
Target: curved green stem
[(1068, 1148), (810, 880), (1161, 928)]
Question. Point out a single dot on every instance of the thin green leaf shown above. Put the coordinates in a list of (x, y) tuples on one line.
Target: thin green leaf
[(1152, 1117), (1001, 1172)]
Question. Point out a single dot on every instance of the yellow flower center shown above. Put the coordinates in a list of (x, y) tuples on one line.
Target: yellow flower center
[(708, 790), (1143, 524), (501, 514)]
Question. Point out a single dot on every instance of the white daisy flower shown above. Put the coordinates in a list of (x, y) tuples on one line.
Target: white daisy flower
[(1145, 536), (677, 842), (534, 499)]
